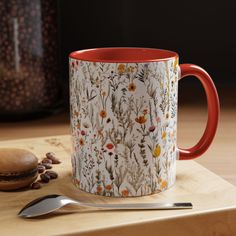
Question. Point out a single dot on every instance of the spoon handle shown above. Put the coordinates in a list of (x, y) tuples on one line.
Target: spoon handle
[(141, 206)]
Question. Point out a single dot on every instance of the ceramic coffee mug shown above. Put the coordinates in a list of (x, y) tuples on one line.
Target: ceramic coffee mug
[(124, 119)]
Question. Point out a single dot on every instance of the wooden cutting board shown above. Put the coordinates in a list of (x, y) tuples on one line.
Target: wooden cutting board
[(214, 201)]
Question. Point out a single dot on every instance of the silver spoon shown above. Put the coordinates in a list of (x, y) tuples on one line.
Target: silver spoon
[(49, 203)]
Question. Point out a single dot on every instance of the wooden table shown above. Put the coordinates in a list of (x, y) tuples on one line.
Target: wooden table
[(214, 201)]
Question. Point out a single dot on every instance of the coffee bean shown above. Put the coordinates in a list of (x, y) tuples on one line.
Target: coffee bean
[(45, 178), (52, 174), (56, 161), (36, 185), (52, 156), (46, 160), (41, 168), (47, 165)]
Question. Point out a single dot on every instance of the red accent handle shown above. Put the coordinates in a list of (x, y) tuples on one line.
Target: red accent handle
[(213, 111)]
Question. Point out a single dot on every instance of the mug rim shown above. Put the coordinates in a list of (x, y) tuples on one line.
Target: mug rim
[(123, 55)]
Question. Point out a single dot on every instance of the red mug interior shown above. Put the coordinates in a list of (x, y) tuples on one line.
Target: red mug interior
[(123, 55)]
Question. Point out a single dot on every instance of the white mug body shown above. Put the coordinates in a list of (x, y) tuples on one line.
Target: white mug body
[(124, 124)]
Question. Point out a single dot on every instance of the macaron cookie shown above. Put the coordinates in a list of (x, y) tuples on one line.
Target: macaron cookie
[(18, 168)]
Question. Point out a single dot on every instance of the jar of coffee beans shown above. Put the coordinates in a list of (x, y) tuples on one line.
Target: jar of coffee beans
[(29, 62)]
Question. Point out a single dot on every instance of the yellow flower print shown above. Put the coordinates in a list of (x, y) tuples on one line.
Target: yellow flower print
[(132, 87), (164, 135), (141, 119), (103, 113), (176, 62), (156, 151), (164, 184), (131, 69), (121, 68)]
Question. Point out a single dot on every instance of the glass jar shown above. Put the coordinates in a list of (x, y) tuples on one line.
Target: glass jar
[(29, 61)]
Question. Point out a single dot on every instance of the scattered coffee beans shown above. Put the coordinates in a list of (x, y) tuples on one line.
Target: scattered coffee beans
[(46, 160), (41, 168), (51, 156), (52, 174), (47, 165), (45, 178), (36, 185)]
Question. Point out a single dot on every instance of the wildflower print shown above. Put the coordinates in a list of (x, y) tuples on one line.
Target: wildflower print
[(81, 142), (123, 120), (158, 119), (125, 193), (145, 111), (109, 146), (121, 68), (131, 69), (157, 151), (76, 113), (163, 135), (103, 113), (131, 87), (83, 132), (141, 119), (99, 189), (164, 184), (108, 187), (152, 129)]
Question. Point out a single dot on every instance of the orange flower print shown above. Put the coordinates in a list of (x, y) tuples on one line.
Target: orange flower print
[(78, 125), (132, 87), (103, 113), (108, 187), (81, 142), (164, 184), (141, 119), (121, 69), (164, 135), (76, 113), (109, 146), (99, 189), (145, 111), (125, 193)]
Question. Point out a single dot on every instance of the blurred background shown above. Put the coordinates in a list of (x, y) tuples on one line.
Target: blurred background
[(200, 31), (37, 36)]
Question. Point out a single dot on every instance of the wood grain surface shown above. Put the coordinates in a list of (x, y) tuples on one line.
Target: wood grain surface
[(214, 201)]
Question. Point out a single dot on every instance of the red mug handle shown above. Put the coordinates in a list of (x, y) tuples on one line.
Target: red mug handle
[(213, 111)]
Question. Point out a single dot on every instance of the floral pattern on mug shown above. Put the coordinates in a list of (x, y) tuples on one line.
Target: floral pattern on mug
[(123, 120)]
